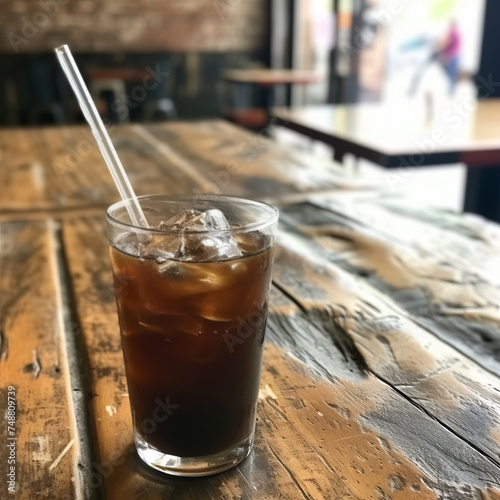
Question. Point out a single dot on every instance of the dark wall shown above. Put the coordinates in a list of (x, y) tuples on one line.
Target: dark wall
[(488, 79), (31, 82)]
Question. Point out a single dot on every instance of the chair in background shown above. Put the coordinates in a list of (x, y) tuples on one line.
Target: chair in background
[(158, 104), (112, 90), (133, 94)]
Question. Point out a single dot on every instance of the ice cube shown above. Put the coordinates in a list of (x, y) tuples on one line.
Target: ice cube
[(160, 248), (180, 221), (230, 300), (202, 247), (129, 244), (194, 220)]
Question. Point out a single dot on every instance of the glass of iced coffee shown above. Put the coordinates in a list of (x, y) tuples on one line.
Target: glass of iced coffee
[(192, 294)]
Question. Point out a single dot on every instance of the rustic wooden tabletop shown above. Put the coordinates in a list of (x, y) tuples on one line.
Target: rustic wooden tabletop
[(382, 362)]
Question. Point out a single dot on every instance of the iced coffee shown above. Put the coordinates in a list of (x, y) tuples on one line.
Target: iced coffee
[(192, 297)]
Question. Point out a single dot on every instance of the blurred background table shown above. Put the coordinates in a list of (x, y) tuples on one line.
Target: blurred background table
[(267, 79), (414, 136), (382, 362)]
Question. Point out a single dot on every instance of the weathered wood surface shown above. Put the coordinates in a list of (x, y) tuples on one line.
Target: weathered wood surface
[(232, 161), (60, 171), (293, 445), (443, 269), (382, 384), (34, 369), (377, 336), (381, 370)]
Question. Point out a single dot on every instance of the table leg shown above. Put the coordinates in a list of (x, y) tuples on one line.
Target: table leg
[(338, 155), (269, 97), (482, 191), (269, 101)]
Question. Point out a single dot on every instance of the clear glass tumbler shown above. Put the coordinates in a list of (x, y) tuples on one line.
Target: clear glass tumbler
[(192, 295)]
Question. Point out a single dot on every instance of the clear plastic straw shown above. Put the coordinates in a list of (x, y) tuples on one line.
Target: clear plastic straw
[(101, 135)]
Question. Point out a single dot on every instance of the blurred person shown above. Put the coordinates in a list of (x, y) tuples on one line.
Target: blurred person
[(447, 53), (450, 54)]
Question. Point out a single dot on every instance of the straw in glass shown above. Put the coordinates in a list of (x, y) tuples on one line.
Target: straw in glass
[(101, 135)]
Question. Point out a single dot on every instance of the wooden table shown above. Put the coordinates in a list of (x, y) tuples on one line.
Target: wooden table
[(131, 75), (269, 77), (381, 368), (408, 137)]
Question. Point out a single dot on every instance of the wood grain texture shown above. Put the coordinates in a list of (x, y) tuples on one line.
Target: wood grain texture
[(437, 378), (62, 171), (434, 395), (381, 375), (234, 161), (310, 366), (280, 442), (33, 361), (62, 168), (118, 471), (21, 166), (442, 269)]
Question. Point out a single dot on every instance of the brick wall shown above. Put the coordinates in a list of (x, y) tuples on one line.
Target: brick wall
[(133, 25)]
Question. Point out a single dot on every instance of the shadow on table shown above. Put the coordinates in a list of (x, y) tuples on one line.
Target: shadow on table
[(133, 479)]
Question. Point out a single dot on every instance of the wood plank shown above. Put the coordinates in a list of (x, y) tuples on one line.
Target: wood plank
[(368, 325), (97, 314), (59, 213), (449, 467), (33, 361), (441, 268), (22, 172), (62, 168), (316, 427), (118, 470), (52, 170), (84, 177), (234, 161), (304, 373)]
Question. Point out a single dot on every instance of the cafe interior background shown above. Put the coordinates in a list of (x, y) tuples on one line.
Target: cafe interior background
[(376, 51)]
